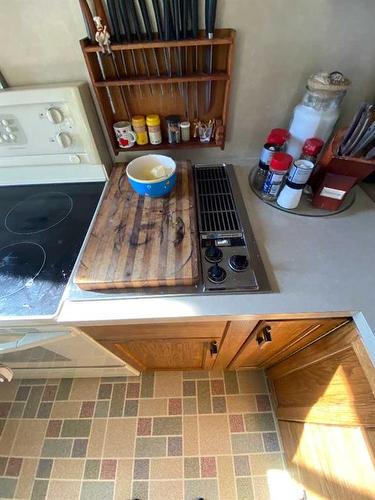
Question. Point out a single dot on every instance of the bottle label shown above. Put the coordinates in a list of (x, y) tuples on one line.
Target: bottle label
[(298, 174), (273, 183), (266, 155), (155, 137)]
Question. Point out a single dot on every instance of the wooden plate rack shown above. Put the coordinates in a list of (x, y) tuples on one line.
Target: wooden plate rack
[(122, 82)]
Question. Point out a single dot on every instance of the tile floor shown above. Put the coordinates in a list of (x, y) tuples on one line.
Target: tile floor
[(164, 436)]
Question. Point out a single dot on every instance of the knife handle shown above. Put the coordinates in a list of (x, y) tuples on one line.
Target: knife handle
[(194, 18), (167, 20), (89, 21), (133, 16), (146, 19), (125, 22), (176, 19), (210, 10), (159, 24), (184, 19), (114, 19)]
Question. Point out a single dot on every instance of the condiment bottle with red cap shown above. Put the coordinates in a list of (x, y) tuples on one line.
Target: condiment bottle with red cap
[(311, 149), (278, 136), (279, 166)]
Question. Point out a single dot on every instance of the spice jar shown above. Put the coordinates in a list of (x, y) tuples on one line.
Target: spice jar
[(279, 166), (311, 149), (173, 122), (185, 131), (269, 149), (139, 126), (298, 176), (154, 130)]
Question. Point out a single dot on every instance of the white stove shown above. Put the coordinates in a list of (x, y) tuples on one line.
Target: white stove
[(53, 170)]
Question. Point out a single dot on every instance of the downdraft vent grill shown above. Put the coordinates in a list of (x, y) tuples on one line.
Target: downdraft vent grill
[(217, 209)]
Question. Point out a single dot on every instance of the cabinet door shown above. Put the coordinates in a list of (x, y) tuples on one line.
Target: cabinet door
[(332, 381), (166, 354), (163, 346), (275, 340), (324, 398)]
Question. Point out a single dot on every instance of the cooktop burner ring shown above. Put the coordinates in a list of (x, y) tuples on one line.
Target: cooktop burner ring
[(38, 213), (10, 280)]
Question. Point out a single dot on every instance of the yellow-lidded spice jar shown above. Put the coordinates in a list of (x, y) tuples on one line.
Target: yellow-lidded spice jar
[(154, 130), (139, 126)]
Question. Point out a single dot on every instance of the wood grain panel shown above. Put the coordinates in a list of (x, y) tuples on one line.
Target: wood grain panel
[(287, 337), (236, 334), (325, 383), (165, 354), (135, 241), (155, 331), (332, 462)]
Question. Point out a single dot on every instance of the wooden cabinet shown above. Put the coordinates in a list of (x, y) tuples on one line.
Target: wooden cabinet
[(272, 341), (210, 344), (163, 346), (330, 381), (325, 404)]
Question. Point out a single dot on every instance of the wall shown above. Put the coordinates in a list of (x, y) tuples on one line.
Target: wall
[(280, 42)]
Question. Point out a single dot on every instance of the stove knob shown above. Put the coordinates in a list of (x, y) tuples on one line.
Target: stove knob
[(54, 115), (213, 254), (216, 274), (64, 139), (239, 262)]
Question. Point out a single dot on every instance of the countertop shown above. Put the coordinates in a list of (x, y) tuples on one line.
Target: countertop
[(317, 267)]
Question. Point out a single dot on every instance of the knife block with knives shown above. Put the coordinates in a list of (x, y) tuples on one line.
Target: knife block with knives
[(177, 70), (333, 163)]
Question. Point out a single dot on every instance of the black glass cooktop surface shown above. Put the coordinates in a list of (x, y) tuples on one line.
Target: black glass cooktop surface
[(42, 228)]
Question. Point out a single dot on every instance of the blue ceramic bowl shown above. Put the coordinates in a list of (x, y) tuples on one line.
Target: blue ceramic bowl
[(141, 178)]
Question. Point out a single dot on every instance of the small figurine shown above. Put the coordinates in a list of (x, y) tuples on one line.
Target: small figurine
[(102, 36)]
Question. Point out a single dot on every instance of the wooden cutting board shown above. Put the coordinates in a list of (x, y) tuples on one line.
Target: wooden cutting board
[(138, 241)]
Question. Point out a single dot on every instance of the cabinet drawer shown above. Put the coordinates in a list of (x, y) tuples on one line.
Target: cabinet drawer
[(275, 340), (212, 329)]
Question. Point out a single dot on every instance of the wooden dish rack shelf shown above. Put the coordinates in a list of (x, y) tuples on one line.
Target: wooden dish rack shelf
[(127, 83)]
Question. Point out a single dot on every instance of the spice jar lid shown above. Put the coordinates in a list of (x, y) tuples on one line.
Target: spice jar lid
[(185, 124), (275, 140), (281, 161), (313, 146), (152, 120), (278, 136), (138, 120), (173, 118)]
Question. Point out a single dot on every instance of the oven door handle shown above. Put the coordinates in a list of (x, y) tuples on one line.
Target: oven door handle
[(34, 340)]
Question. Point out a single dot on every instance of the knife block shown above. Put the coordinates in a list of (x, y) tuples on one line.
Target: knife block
[(143, 93), (330, 162)]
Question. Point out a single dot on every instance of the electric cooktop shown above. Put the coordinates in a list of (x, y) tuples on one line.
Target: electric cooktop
[(42, 228)]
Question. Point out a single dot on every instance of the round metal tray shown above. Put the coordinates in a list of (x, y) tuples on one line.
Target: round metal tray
[(305, 208)]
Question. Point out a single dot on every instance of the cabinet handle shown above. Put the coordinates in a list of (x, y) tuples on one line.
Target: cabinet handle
[(264, 336), (213, 348)]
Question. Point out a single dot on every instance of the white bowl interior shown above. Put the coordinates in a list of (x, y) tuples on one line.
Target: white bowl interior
[(139, 170)]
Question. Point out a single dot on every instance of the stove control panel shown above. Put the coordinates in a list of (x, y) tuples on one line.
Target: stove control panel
[(54, 125)]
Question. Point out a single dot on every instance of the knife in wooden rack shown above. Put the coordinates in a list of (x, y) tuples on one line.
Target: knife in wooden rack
[(91, 30), (148, 30), (194, 31), (135, 23), (210, 18), (100, 12), (128, 35)]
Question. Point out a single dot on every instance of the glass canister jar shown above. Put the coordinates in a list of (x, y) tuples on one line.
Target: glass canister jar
[(154, 129), (319, 110), (139, 126), (173, 122)]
